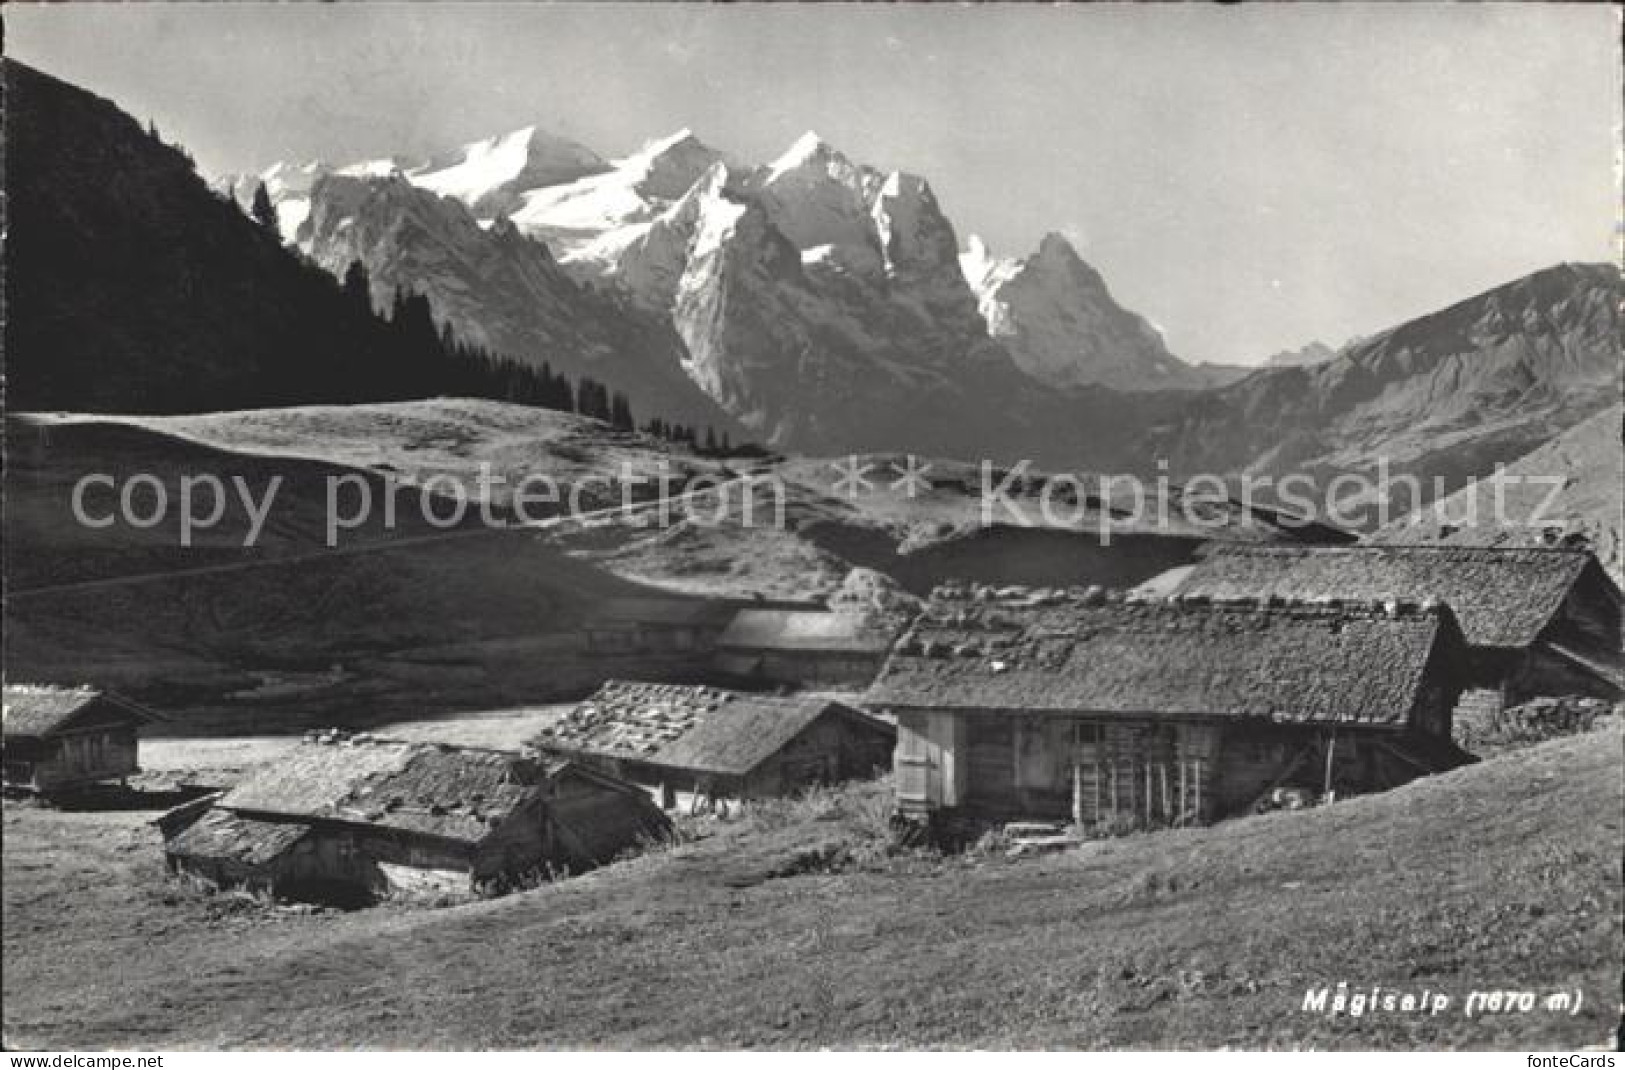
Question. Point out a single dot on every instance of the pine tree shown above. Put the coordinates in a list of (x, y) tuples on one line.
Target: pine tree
[(263, 212), (620, 413), (358, 286)]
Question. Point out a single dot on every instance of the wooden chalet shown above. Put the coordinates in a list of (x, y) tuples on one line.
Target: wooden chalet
[(352, 820), (1116, 714), (804, 647), (59, 739), (660, 627), (1539, 622), (710, 743)]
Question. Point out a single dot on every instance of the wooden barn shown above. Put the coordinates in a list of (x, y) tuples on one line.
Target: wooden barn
[(1114, 714), (804, 648), (707, 743), (353, 820), (1539, 622), (686, 629), (59, 739)]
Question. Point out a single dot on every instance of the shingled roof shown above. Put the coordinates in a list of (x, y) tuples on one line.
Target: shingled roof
[(1503, 597), (806, 629), (704, 729), (245, 840), (1071, 651), (40, 709), (453, 793)]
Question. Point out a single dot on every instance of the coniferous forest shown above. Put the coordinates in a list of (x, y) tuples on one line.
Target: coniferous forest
[(155, 294)]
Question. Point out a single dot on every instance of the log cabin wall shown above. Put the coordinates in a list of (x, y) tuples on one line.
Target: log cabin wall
[(1141, 774), (350, 855), (83, 757), (1121, 775), (816, 668)]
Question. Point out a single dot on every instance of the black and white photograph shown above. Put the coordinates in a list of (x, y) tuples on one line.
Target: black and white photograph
[(595, 527)]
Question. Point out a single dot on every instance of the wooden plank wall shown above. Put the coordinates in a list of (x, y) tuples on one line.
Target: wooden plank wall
[(1140, 776), (912, 763)]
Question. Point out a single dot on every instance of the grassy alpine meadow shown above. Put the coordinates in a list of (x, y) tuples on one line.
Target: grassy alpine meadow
[(796, 924)]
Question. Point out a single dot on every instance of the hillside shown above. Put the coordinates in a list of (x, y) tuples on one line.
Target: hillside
[(130, 287), (400, 618), (1572, 488), (418, 617), (793, 929), (1445, 396)]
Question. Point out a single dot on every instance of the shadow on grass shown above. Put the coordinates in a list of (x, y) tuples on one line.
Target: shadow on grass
[(113, 797)]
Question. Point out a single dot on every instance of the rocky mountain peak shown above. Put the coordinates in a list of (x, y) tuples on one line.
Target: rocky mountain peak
[(665, 168), (1060, 323), (916, 238)]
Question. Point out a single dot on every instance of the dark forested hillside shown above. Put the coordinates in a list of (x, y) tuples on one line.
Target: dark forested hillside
[(132, 287)]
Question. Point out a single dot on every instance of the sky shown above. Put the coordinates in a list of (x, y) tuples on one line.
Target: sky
[(1249, 178)]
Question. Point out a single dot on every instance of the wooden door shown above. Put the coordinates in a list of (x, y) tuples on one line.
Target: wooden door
[(930, 767), (1044, 759)]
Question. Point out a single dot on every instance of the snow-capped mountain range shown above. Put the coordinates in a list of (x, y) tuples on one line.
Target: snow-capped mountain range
[(829, 307), (821, 302), (824, 303)]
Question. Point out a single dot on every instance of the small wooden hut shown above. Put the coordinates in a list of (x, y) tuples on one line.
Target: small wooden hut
[(710, 743), (681, 628), (352, 820), (804, 647), (1078, 705), (59, 739)]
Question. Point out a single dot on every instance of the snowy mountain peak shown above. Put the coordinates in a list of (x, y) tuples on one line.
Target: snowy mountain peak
[(812, 160), (665, 168), (489, 175), (809, 148), (661, 145), (389, 165), (717, 178), (821, 201), (287, 184), (900, 185), (814, 268)]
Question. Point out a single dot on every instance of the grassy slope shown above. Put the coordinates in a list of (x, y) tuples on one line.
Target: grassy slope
[(1504, 874), (914, 536), (1586, 459), (479, 619), (467, 619)]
